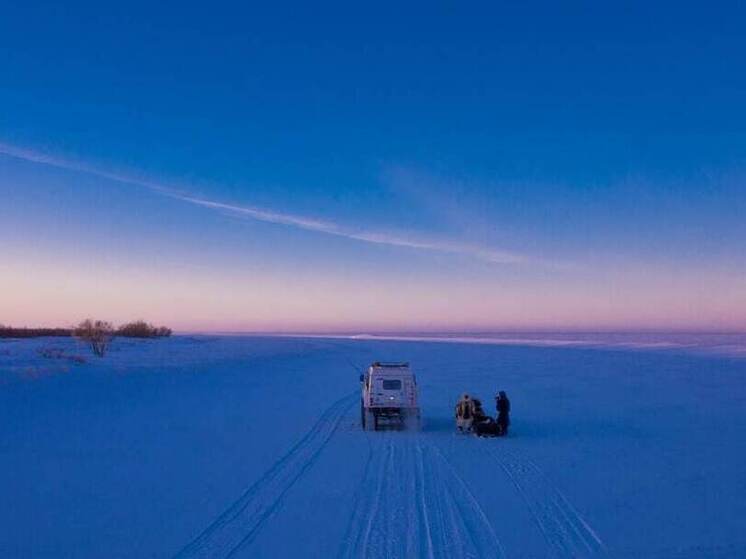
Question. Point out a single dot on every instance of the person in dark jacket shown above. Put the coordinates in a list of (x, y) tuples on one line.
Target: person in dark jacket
[(503, 412), (479, 414), (483, 425)]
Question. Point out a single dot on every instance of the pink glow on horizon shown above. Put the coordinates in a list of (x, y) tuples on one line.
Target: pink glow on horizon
[(59, 294)]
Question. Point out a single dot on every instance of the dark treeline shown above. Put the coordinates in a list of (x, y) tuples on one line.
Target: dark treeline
[(137, 329), (141, 329), (8, 332)]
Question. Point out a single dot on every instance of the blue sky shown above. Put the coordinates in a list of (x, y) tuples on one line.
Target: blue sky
[(338, 167)]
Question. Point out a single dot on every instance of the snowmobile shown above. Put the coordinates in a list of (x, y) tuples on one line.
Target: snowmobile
[(487, 427), (470, 418)]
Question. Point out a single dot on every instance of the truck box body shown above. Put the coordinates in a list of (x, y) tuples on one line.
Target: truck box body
[(389, 392)]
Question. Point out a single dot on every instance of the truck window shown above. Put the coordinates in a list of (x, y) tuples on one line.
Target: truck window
[(389, 384)]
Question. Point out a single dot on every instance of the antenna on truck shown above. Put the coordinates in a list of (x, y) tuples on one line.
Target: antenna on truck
[(357, 369)]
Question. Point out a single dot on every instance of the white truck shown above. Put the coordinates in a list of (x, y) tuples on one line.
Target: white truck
[(389, 397)]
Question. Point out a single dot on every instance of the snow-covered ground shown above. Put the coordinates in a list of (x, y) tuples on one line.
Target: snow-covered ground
[(201, 446)]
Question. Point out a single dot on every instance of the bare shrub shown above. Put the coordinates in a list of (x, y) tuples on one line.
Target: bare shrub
[(52, 353), (98, 334), (57, 353)]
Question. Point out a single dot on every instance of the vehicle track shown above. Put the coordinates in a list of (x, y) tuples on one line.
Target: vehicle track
[(385, 521), (478, 536), (412, 503), (566, 532), (240, 524)]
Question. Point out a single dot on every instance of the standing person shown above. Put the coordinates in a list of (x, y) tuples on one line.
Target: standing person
[(464, 413), (503, 412)]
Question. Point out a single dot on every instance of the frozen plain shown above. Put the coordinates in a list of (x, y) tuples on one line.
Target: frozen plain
[(220, 446)]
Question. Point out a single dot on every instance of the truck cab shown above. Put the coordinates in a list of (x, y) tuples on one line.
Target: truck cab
[(389, 397)]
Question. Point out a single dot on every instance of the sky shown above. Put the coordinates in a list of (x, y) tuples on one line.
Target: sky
[(367, 168)]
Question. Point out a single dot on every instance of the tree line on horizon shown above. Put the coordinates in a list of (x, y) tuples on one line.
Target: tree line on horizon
[(96, 333), (135, 329)]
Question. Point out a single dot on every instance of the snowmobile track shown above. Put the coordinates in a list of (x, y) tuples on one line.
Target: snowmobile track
[(240, 524), (412, 503), (464, 506), (567, 534)]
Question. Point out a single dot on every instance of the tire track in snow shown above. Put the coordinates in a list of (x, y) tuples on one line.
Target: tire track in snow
[(566, 532), (241, 523), (421, 491), (382, 511), (364, 509), (361, 510), (470, 524), (412, 503)]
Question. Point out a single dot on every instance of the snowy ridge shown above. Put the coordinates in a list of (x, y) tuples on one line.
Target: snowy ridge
[(566, 532), (240, 524), (725, 345), (412, 503)]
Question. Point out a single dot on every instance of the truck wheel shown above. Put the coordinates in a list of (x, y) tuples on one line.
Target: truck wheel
[(362, 415)]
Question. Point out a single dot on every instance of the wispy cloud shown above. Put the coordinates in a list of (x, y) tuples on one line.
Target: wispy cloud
[(398, 239), (373, 237)]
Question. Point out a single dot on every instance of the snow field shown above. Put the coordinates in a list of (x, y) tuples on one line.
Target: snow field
[(251, 447)]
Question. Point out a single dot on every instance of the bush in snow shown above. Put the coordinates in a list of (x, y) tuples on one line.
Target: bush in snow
[(57, 353), (141, 329), (97, 334)]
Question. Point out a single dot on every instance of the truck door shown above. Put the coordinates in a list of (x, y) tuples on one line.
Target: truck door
[(392, 390)]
